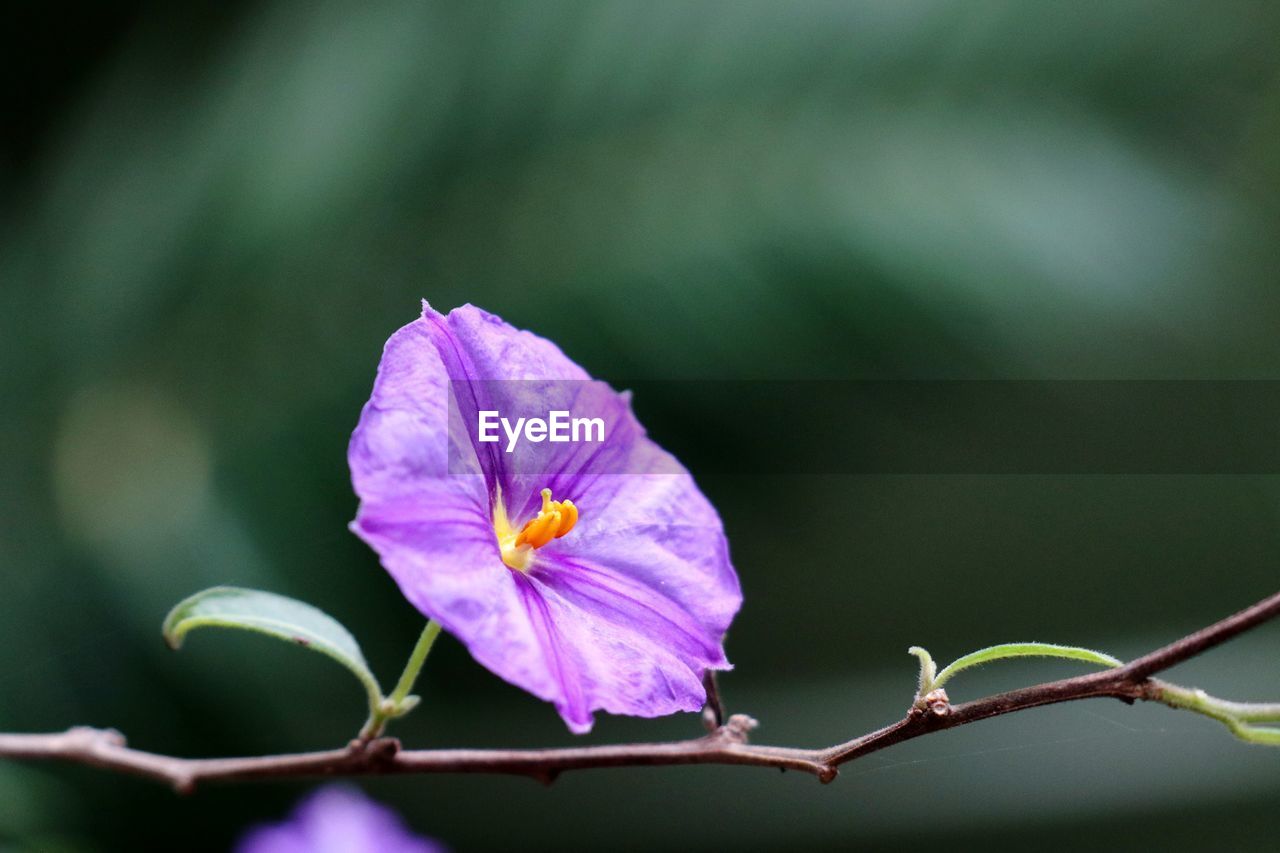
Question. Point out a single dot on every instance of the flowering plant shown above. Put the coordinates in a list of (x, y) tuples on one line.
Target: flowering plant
[(594, 574), (590, 570), (597, 578)]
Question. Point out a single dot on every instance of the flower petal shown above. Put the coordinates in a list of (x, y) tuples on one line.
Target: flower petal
[(494, 366), (401, 447), (618, 645), (337, 819)]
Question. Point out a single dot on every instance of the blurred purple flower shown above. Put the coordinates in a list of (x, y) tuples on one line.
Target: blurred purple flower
[(595, 576), (337, 819)]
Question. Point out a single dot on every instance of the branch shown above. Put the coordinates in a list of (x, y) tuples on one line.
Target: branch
[(725, 744)]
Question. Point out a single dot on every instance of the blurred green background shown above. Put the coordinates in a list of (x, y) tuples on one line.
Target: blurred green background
[(214, 214)]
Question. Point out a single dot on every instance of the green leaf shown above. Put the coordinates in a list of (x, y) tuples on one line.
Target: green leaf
[(928, 670), (276, 616), (1024, 650)]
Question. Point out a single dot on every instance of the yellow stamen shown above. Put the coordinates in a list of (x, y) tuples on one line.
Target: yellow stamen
[(555, 519), (570, 518)]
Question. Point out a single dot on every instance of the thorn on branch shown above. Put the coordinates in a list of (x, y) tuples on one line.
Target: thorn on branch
[(91, 739), (184, 785), (935, 703), (384, 749), (739, 728)]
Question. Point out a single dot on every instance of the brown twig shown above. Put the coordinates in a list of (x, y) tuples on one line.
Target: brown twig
[(727, 744)]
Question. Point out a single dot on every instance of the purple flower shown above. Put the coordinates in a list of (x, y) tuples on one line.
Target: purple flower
[(593, 575), (337, 819)]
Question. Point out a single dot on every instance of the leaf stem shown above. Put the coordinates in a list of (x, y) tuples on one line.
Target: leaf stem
[(1236, 716), (416, 659), (401, 702)]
